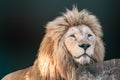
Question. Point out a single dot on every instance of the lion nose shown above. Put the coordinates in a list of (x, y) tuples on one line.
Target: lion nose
[(84, 46)]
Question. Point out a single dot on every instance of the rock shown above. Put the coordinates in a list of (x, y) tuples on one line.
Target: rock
[(108, 70)]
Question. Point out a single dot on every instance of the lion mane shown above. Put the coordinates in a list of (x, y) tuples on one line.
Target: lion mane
[(54, 62)]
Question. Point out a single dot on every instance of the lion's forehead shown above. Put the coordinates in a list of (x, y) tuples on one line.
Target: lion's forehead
[(74, 30), (81, 29), (85, 29)]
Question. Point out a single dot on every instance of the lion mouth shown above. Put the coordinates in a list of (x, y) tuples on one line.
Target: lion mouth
[(85, 55)]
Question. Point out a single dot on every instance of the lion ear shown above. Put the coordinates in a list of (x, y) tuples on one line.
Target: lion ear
[(99, 50)]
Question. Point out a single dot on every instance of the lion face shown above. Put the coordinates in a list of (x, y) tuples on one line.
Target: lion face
[(80, 43)]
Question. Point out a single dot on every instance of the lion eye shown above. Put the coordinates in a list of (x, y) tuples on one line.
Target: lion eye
[(89, 35), (72, 35)]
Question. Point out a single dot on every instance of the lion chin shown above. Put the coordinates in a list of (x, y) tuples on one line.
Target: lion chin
[(83, 60), (71, 40)]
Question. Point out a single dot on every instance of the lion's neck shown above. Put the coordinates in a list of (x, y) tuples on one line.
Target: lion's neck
[(47, 70), (53, 68)]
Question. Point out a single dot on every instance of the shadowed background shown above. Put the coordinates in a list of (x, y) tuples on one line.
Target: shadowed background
[(22, 27)]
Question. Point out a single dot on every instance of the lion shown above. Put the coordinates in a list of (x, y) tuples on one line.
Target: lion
[(71, 40)]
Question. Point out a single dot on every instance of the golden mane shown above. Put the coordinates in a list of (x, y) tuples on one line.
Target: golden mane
[(54, 62)]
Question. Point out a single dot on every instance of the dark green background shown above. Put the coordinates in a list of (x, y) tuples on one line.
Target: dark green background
[(22, 27)]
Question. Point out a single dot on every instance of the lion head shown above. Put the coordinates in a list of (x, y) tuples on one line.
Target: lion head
[(71, 39)]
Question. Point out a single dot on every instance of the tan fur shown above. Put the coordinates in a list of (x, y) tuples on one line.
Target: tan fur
[(54, 62)]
